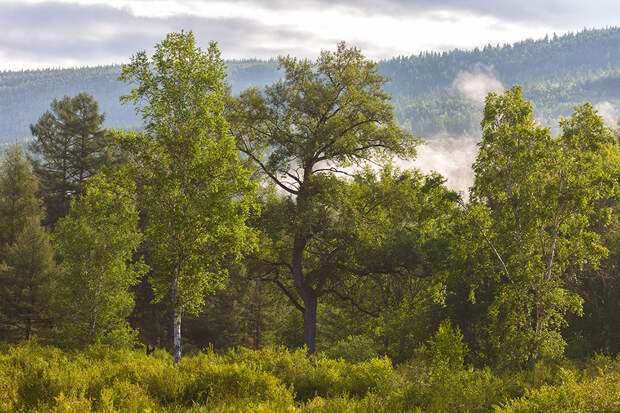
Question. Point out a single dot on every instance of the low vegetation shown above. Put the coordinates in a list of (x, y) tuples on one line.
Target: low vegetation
[(38, 378)]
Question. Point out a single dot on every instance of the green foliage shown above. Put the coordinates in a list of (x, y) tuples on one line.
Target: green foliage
[(38, 379), (319, 375), (70, 146), (26, 257), (450, 391), (353, 349), (193, 188), (27, 283), (301, 133), (392, 232), (447, 350), (96, 242), (600, 393), (44, 379), (18, 201), (534, 201)]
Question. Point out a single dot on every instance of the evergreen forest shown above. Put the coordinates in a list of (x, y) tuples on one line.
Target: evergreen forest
[(434, 93), (185, 234)]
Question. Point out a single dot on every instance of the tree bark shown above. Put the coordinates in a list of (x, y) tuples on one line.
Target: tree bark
[(176, 321), (307, 293), (310, 305), (177, 336)]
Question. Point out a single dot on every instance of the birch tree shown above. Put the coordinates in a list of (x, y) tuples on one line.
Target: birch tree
[(194, 190), (539, 196)]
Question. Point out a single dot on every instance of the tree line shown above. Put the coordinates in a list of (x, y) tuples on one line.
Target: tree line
[(556, 72), (278, 216)]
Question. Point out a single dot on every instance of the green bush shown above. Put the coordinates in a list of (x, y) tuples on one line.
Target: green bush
[(450, 391), (319, 375), (600, 393), (353, 349), (447, 350), (36, 378)]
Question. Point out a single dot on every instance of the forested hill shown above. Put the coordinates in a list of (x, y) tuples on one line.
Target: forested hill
[(434, 93)]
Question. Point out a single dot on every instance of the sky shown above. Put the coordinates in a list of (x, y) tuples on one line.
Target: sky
[(50, 34)]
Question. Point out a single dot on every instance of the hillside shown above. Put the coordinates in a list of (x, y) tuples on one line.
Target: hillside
[(434, 93)]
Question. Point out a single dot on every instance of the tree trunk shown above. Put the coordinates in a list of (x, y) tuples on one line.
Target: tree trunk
[(307, 293), (177, 336), (310, 304), (30, 316), (257, 320), (28, 327), (176, 321)]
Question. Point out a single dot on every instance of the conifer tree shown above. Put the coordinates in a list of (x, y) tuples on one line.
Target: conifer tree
[(26, 280), (18, 201), (26, 257), (70, 146)]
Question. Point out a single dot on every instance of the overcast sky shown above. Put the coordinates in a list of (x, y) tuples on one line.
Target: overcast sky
[(39, 33)]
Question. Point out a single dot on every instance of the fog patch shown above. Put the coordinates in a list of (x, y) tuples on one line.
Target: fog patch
[(452, 157), (609, 112), (477, 84)]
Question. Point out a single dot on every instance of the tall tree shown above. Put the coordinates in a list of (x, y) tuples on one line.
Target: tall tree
[(539, 195), (323, 117), (96, 242), (194, 189), (70, 146), (27, 277), (18, 201), (26, 258)]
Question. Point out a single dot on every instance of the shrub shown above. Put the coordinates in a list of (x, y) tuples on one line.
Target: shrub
[(598, 394), (353, 349), (319, 375), (447, 350), (44, 379)]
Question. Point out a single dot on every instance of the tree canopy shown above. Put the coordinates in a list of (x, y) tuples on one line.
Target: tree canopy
[(194, 190), (323, 117)]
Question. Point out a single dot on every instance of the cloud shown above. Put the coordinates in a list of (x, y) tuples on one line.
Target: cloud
[(609, 112), (477, 84), (41, 33), (570, 14), (69, 34)]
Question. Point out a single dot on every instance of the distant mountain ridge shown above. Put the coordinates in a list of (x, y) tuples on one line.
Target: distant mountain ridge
[(433, 93)]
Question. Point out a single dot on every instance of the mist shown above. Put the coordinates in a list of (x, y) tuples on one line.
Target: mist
[(477, 84), (452, 157), (609, 112)]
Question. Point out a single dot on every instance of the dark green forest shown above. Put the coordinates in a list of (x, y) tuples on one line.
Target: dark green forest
[(259, 249), (556, 73)]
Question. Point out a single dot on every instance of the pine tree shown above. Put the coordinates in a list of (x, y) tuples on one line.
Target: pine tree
[(26, 282), (70, 146), (26, 257), (18, 201)]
